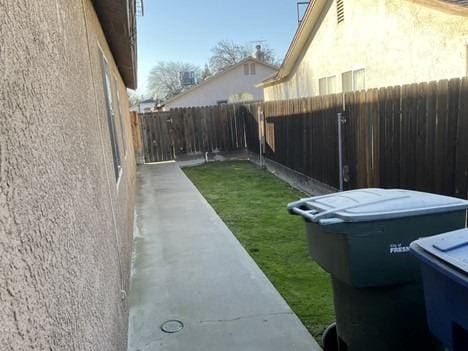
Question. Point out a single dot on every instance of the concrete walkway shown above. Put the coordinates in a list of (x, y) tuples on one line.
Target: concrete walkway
[(188, 266)]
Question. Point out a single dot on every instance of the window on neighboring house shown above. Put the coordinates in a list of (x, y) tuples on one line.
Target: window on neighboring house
[(221, 102), (111, 116), (353, 80), (249, 69), (252, 69), (340, 10), (347, 81), (359, 79), (327, 85), (466, 47), (323, 86), (331, 85)]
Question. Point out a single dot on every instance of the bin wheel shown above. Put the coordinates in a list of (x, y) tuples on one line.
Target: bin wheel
[(330, 338)]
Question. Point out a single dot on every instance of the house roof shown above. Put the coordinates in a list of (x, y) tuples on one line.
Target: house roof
[(311, 18), (458, 2), (147, 101), (218, 75), (118, 21)]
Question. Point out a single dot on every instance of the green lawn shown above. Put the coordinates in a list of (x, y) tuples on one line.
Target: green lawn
[(252, 202)]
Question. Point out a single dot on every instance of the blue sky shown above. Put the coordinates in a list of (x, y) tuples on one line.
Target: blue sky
[(186, 30)]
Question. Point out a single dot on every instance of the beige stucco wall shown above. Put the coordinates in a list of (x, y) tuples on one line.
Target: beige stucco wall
[(65, 224), (396, 41), (222, 87)]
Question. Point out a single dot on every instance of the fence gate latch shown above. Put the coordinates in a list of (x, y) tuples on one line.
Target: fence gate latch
[(343, 119)]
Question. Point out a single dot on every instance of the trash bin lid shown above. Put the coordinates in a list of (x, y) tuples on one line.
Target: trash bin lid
[(451, 248), (373, 204)]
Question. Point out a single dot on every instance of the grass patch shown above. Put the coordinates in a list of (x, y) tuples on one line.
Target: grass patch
[(252, 203)]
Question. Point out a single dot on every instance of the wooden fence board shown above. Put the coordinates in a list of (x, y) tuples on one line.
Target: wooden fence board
[(451, 139), (461, 155)]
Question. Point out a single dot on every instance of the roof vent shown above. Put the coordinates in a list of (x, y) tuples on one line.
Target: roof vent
[(340, 10)]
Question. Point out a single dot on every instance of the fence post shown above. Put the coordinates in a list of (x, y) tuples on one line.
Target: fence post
[(340, 121), (261, 135)]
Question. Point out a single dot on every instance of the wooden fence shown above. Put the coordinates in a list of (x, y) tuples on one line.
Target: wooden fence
[(413, 136), (167, 135)]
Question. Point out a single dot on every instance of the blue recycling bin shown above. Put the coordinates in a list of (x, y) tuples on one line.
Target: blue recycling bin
[(444, 265)]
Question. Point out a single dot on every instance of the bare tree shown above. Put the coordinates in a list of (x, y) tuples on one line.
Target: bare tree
[(134, 98), (164, 78), (227, 53), (206, 73)]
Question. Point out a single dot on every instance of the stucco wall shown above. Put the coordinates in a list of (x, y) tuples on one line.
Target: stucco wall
[(65, 224), (221, 88), (395, 41)]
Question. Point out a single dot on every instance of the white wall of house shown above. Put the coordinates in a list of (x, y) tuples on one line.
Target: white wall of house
[(223, 87), (395, 41), (143, 107), (147, 106)]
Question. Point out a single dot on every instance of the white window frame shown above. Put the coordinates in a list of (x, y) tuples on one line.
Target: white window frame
[(253, 69), (466, 59), (353, 80), (122, 132), (327, 81), (117, 164)]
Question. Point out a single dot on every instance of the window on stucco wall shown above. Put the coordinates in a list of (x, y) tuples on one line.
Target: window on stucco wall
[(249, 69), (347, 81), (252, 69), (359, 79), (353, 80), (466, 58), (111, 116), (119, 116), (327, 85)]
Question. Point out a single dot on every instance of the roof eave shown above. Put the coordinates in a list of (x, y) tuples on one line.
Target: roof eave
[(453, 7), (309, 22), (118, 22), (298, 44)]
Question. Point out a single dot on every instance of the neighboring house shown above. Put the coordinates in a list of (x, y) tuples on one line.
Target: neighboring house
[(345, 45), (148, 105), (236, 83), (67, 173)]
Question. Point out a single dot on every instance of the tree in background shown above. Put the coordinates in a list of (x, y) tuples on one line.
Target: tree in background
[(227, 53), (206, 72), (134, 98), (164, 78)]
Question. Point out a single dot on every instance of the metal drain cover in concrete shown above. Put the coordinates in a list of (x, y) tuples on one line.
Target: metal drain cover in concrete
[(172, 326)]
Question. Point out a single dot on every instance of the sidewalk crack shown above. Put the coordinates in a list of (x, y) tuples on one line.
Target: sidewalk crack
[(246, 317)]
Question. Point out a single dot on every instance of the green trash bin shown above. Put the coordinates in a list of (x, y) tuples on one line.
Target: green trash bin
[(362, 237)]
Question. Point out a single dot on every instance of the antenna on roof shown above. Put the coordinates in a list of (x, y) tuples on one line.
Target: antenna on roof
[(301, 9), (258, 41)]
